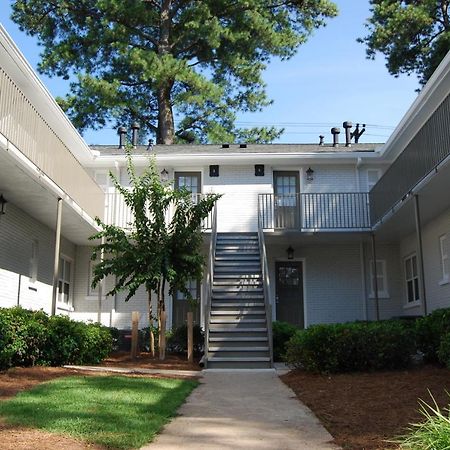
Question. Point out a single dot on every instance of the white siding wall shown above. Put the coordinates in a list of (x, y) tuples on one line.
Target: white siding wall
[(438, 293), (17, 233)]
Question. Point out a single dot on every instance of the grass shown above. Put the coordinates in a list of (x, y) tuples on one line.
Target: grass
[(117, 412), (431, 434)]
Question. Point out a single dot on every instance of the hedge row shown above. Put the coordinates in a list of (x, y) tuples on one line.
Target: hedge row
[(28, 338), (368, 346)]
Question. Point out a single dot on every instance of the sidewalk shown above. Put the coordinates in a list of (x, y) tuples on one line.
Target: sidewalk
[(243, 410)]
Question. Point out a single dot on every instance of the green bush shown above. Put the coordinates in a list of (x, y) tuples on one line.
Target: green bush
[(281, 333), (443, 352), (356, 346), (177, 341), (31, 337), (429, 331)]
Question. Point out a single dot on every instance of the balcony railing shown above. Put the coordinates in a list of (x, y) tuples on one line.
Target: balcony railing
[(315, 211), (422, 155), (24, 127), (118, 213)]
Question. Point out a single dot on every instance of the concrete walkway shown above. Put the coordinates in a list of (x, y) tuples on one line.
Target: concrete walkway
[(243, 410)]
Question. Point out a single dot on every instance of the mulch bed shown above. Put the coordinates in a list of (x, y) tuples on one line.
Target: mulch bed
[(19, 379), (364, 410)]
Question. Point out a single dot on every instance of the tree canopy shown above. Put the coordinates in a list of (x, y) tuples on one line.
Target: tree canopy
[(414, 35), (152, 60)]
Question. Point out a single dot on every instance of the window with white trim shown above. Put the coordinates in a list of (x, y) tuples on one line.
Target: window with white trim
[(34, 257), (65, 280), (412, 279), (443, 248), (192, 286), (381, 279), (373, 175)]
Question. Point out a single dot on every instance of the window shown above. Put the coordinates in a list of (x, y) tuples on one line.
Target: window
[(34, 257), (193, 287), (373, 175), (443, 247), (381, 279), (65, 280), (191, 181), (412, 279)]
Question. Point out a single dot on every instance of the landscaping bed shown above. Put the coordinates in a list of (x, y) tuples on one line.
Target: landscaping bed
[(363, 410)]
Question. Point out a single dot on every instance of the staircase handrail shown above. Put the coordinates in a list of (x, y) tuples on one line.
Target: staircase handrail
[(209, 280), (266, 288)]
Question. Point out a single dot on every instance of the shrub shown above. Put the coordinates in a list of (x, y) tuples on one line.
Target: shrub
[(177, 341), (429, 331), (281, 333), (356, 346), (22, 336), (443, 352), (31, 337)]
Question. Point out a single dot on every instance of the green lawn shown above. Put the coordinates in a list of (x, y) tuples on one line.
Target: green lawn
[(115, 411)]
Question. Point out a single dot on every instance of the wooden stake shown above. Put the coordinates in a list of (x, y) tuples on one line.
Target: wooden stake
[(162, 336), (134, 333), (190, 336)]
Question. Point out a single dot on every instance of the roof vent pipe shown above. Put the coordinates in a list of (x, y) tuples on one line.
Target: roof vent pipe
[(335, 132), (134, 137), (348, 136), (321, 137), (122, 132), (357, 133)]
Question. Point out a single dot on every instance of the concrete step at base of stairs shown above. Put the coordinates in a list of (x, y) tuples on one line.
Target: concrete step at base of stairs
[(236, 342), (237, 363), (238, 312)]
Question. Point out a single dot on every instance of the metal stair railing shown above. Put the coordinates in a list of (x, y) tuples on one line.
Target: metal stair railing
[(210, 279), (266, 289)]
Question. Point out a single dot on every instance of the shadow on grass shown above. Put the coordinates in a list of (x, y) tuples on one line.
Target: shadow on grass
[(119, 412)]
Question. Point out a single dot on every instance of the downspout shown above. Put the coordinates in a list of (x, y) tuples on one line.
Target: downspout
[(420, 252)]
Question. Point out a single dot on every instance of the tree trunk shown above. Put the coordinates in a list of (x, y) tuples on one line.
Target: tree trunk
[(150, 322), (161, 320), (166, 128)]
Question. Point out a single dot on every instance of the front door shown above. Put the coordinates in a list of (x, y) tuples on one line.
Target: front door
[(190, 181), (289, 292), (286, 201)]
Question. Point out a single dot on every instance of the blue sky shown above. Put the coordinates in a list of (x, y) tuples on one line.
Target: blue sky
[(327, 82)]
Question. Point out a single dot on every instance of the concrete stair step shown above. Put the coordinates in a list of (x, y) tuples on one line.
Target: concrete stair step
[(237, 289), (235, 353), (238, 257), (239, 349), (232, 262), (240, 313), (233, 304), (238, 339), (237, 283), (240, 321), (236, 271), (238, 364), (236, 236), (222, 329), (237, 295), (238, 276)]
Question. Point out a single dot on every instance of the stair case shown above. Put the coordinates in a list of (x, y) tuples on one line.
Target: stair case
[(238, 335)]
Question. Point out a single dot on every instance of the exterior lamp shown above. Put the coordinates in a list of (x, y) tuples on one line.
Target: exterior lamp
[(3, 203), (309, 174), (290, 252), (164, 175)]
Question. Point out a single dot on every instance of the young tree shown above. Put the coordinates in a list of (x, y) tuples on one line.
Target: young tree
[(141, 60), (413, 35), (160, 248)]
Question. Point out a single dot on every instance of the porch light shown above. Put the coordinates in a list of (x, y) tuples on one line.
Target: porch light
[(309, 174), (3, 203), (290, 252), (164, 175)]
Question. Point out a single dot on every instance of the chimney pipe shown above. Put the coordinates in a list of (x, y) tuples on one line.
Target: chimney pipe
[(122, 132), (335, 132), (348, 136), (134, 137), (321, 137)]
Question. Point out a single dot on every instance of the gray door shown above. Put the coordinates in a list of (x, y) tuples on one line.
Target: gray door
[(289, 292), (190, 181), (286, 201), (181, 305)]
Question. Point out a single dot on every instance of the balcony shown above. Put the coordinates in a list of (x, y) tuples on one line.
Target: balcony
[(341, 211), (429, 147), (118, 213)]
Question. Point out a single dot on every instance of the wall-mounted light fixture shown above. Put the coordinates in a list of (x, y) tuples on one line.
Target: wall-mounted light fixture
[(164, 175), (309, 174), (290, 252), (213, 171), (3, 203)]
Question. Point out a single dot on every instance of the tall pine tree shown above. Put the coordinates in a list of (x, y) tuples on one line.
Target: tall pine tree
[(148, 60)]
